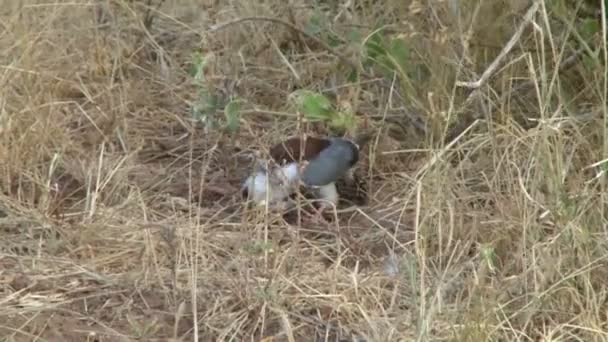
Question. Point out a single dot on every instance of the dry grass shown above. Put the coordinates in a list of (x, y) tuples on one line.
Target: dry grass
[(120, 220)]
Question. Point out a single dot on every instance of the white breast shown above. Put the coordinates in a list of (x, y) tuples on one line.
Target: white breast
[(273, 187), (329, 193)]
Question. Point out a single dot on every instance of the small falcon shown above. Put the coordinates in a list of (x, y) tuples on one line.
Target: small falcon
[(317, 163)]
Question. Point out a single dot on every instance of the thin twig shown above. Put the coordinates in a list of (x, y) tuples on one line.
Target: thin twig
[(565, 64), (416, 120), (149, 17), (504, 52), (344, 59)]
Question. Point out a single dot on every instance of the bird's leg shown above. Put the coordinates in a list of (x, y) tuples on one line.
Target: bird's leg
[(318, 216), (349, 177), (328, 194)]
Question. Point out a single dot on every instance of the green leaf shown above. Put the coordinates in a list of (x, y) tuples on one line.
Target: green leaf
[(232, 111), (590, 63), (374, 46), (589, 27), (399, 53), (207, 104), (315, 25), (353, 76), (376, 52), (604, 166), (389, 55), (354, 36), (199, 62), (488, 255), (314, 106), (343, 121), (257, 247), (318, 25), (205, 108), (333, 40)]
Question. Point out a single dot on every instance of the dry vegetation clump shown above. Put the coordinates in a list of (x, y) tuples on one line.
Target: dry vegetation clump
[(120, 215)]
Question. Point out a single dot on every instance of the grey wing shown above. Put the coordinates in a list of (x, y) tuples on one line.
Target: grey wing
[(331, 164)]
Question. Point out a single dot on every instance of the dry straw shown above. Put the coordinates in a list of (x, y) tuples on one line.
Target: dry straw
[(120, 218)]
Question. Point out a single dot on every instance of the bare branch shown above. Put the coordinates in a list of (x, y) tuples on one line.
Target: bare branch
[(496, 63)]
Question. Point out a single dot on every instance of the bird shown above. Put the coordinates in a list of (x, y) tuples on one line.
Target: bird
[(314, 162), (291, 150), (331, 163), (321, 173), (279, 179)]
